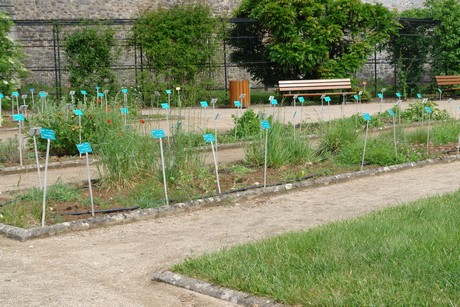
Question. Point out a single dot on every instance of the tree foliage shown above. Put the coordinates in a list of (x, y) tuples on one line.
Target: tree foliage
[(179, 43), (11, 55), (308, 38), (91, 55)]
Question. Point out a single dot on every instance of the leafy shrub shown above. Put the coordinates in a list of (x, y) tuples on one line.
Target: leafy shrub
[(248, 125), (9, 150), (416, 112)]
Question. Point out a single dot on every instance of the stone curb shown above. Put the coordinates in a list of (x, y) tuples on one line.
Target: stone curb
[(235, 297), (21, 234)]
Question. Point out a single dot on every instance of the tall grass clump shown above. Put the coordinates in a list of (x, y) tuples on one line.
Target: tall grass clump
[(447, 132), (336, 135), (283, 149), (9, 150), (408, 255)]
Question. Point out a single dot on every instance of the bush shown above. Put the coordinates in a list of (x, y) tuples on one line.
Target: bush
[(335, 135)]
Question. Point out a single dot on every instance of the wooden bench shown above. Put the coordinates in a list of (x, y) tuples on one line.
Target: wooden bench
[(448, 81), (328, 87)]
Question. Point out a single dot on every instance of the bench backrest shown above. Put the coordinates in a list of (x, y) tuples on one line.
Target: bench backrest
[(313, 85), (448, 80)]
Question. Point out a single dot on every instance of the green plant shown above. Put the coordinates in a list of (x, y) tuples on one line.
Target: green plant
[(282, 149), (335, 135), (416, 112), (248, 125), (11, 67), (9, 151), (308, 39), (91, 54), (180, 45)]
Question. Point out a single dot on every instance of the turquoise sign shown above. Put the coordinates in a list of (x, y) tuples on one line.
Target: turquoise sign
[(419, 96), (356, 97), (43, 94), (301, 99), (124, 110), (439, 90), (367, 116), (204, 104), (124, 90), (209, 138), (274, 102), (380, 95), (1, 96), (100, 94), (83, 92), (237, 103), (78, 112), (265, 124), (428, 110), (164, 105), (390, 111), (327, 99), (48, 134), (398, 95), (84, 148), (168, 92), (158, 134), (18, 117)]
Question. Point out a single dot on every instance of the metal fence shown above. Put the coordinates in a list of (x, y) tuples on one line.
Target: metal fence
[(42, 43)]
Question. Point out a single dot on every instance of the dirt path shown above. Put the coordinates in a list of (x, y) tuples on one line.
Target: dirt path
[(113, 266)]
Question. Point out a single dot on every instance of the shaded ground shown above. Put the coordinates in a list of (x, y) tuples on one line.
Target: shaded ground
[(113, 266)]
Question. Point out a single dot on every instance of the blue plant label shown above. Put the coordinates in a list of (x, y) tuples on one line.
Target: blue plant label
[(1, 96), (237, 103), (265, 124), (31, 90), (18, 117), (43, 94), (124, 90), (164, 105), (209, 138), (124, 111), (48, 134), (327, 99), (84, 148), (158, 134), (439, 90), (428, 110), (83, 92), (301, 99), (204, 104), (380, 95), (16, 94), (274, 102), (168, 92), (356, 97), (398, 94), (419, 96), (390, 111), (98, 88), (100, 94), (78, 112), (367, 116)]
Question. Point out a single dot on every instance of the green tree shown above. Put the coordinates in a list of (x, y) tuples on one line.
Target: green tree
[(309, 38), (11, 55), (179, 43), (91, 54)]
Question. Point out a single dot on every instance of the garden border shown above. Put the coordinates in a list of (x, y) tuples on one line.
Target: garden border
[(21, 234), (226, 294)]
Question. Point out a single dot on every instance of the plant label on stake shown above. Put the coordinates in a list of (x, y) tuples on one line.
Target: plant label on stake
[(301, 101), (85, 149), (32, 95), (84, 93), (125, 97), (429, 112), (209, 138), (160, 134), (100, 97), (78, 113), (328, 100), (393, 115), (43, 96), (265, 125), (274, 103), (165, 106), (34, 132), (216, 116), (367, 118), (20, 119), (440, 94), (238, 106), (204, 106), (48, 135), (1, 118), (14, 96), (124, 112), (419, 96)]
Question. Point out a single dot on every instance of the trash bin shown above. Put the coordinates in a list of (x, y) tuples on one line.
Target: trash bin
[(238, 87)]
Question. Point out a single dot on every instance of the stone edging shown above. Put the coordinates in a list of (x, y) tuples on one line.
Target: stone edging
[(22, 234), (221, 293)]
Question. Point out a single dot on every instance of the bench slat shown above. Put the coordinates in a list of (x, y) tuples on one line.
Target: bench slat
[(448, 80)]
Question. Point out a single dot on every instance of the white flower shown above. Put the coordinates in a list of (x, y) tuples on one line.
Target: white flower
[(5, 82)]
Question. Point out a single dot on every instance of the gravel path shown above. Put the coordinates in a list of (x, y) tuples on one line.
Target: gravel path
[(113, 266)]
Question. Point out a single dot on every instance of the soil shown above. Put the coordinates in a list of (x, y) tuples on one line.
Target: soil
[(114, 266)]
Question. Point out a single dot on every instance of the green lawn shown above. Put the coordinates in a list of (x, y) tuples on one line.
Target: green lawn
[(407, 255)]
